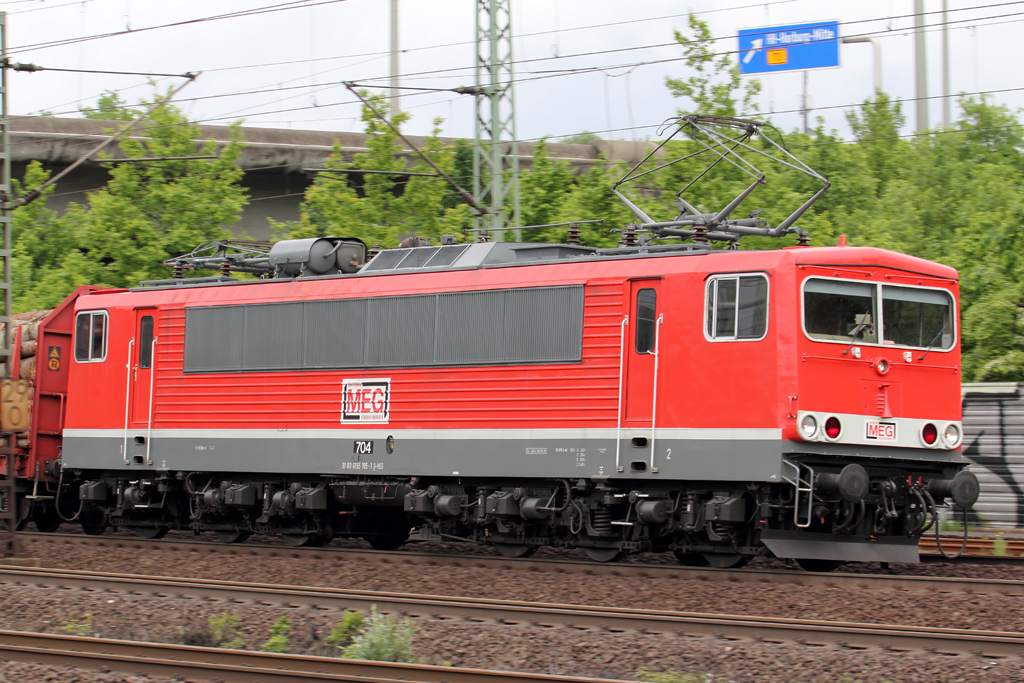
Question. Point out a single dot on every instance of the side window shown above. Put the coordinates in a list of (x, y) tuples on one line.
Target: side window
[(146, 343), (736, 308), (646, 315), (91, 336)]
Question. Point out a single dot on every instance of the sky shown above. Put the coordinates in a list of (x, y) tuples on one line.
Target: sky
[(283, 69)]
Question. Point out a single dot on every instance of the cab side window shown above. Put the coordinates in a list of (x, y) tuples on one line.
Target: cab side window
[(736, 308), (146, 343), (91, 336), (646, 315)]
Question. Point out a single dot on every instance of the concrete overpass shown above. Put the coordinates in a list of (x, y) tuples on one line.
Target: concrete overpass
[(273, 160)]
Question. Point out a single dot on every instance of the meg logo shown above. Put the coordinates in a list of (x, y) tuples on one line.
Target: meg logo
[(881, 431), (365, 400)]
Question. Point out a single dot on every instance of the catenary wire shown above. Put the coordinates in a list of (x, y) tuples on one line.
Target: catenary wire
[(256, 11), (535, 75), (585, 69)]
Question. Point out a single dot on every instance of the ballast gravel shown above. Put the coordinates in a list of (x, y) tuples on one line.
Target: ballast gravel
[(526, 648)]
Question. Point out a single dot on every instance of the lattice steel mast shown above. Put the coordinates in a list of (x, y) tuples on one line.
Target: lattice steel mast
[(495, 120)]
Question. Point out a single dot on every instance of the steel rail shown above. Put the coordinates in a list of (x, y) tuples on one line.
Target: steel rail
[(544, 615), (1009, 547), (892, 582), (235, 666)]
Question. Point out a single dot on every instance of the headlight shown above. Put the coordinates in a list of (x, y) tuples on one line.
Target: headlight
[(808, 427), (882, 366), (951, 435)]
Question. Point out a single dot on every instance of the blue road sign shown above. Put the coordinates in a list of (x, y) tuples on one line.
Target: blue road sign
[(789, 48)]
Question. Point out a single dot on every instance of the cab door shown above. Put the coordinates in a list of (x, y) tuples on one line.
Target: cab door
[(143, 358), (641, 348)]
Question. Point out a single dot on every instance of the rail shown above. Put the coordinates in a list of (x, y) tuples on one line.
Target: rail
[(893, 582), (511, 612), (181, 662)]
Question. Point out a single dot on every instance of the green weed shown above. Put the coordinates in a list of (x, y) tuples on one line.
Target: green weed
[(383, 639), (279, 641)]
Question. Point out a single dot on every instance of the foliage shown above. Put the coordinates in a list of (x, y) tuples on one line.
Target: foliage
[(714, 86), (279, 641), (383, 639), (84, 627), (123, 232), (344, 631), (111, 107), (673, 676), (380, 208), (584, 138), (224, 631)]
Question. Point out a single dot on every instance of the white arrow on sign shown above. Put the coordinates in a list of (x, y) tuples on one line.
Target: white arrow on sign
[(755, 45)]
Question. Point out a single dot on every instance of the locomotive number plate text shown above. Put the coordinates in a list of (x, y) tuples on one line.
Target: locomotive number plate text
[(881, 431), (362, 447)]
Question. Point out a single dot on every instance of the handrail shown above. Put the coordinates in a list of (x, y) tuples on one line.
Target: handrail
[(127, 400), (622, 363), (654, 403), (152, 377)]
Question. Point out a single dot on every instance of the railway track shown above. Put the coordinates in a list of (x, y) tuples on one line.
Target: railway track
[(1010, 549), (406, 557), (538, 615), (236, 666)]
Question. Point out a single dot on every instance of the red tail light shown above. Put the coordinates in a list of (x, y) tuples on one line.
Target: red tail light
[(832, 427), (929, 433)]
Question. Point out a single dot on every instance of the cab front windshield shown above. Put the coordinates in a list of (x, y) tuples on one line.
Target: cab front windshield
[(845, 311)]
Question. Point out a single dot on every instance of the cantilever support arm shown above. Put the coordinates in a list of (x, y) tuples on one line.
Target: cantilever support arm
[(781, 228), (464, 195), (35, 193)]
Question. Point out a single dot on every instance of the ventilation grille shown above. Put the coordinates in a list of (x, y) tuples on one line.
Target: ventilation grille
[(513, 326), (417, 257)]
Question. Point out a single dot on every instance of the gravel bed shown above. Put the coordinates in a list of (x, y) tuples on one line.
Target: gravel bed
[(528, 648), (515, 648), (953, 610)]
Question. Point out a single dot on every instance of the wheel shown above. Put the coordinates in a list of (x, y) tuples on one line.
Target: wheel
[(231, 536), (513, 550), (298, 540), (727, 560), (386, 541), (322, 539), (94, 521), (809, 565), (603, 554), (691, 559), (45, 518), (152, 532)]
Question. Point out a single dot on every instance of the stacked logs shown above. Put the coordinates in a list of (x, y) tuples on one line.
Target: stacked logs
[(29, 324)]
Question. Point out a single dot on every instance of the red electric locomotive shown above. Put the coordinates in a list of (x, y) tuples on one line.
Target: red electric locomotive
[(722, 404)]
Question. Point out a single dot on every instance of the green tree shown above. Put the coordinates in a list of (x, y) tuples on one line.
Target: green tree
[(381, 208), (542, 189), (584, 138), (877, 128), (717, 87), (111, 107), (147, 213)]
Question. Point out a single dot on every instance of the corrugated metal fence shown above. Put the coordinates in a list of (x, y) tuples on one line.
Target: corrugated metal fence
[(994, 443)]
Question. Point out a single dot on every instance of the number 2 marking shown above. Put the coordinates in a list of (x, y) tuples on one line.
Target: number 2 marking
[(668, 453)]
